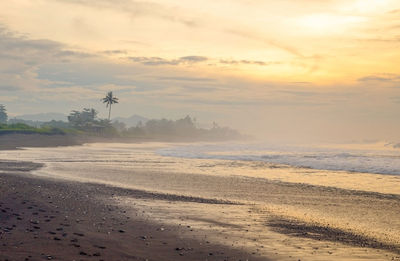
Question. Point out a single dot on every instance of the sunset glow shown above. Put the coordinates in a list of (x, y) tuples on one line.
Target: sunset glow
[(200, 130), (208, 58)]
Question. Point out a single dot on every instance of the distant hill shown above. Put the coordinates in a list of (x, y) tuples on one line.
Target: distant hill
[(131, 121), (393, 145), (43, 117), (46, 117)]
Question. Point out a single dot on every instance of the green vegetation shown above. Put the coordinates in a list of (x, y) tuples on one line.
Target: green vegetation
[(86, 122), (3, 114), (181, 129), (21, 128)]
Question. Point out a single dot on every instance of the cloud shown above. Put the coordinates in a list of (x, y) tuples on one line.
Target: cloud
[(193, 59), (235, 62), (54, 72), (8, 88), (395, 11), (299, 93), (394, 39), (188, 60), (187, 79), (302, 83), (5, 98), (140, 8), (21, 59), (258, 37), (374, 78), (380, 78), (224, 102), (19, 47), (396, 99), (154, 61), (72, 54), (113, 52), (75, 74)]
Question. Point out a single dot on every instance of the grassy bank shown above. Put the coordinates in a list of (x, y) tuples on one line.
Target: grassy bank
[(20, 128)]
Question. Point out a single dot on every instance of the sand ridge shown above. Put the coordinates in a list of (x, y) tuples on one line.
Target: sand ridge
[(58, 219), (45, 220)]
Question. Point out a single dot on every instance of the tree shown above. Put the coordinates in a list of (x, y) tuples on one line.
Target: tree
[(109, 100), (87, 121), (3, 114), (84, 119)]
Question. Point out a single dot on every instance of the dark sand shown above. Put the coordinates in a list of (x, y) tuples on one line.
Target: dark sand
[(41, 219), (46, 219), (13, 141)]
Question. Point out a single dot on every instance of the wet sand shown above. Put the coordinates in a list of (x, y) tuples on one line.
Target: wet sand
[(13, 141), (42, 219), (290, 221), (152, 209)]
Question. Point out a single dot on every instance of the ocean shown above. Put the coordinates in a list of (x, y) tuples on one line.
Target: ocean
[(163, 166), (378, 158), (354, 188)]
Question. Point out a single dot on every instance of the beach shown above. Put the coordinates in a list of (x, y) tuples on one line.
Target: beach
[(124, 202), (213, 130), (52, 220)]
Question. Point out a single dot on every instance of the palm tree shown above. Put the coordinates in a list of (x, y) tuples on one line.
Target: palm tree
[(109, 100), (3, 114)]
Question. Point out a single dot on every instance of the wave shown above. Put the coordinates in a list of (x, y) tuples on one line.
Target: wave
[(377, 161)]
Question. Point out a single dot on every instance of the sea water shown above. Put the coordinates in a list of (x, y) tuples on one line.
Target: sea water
[(318, 184), (176, 167), (378, 158)]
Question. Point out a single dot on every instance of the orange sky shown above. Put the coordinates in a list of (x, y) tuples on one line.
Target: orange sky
[(318, 64)]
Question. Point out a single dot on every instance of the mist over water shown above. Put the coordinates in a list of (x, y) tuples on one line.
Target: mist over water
[(178, 167), (268, 178), (378, 158)]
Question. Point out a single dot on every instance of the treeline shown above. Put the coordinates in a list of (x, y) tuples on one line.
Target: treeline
[(163, 129), (14, 126), (87, 122), (182, 129), (21, 128)]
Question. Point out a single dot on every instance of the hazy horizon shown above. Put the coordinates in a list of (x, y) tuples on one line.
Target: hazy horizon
[(281, 70)]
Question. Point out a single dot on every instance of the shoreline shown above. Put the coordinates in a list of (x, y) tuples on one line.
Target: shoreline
[(47, 218), (15, 141), (50, 219)]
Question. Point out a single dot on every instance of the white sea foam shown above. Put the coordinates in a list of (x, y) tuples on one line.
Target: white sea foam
[(378, 159)]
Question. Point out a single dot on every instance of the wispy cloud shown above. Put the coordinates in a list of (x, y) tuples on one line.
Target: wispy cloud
[(393, 39), (380, 78), (271, 42), (21, 58), (114, 52), (21, 47), (396, 99), (154, 61), (193, 59), (238, 62), (187, 79), (395, 11), (140, 8), (190, 60)]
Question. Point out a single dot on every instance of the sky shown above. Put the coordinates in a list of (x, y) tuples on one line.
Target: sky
[(283, 70)]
